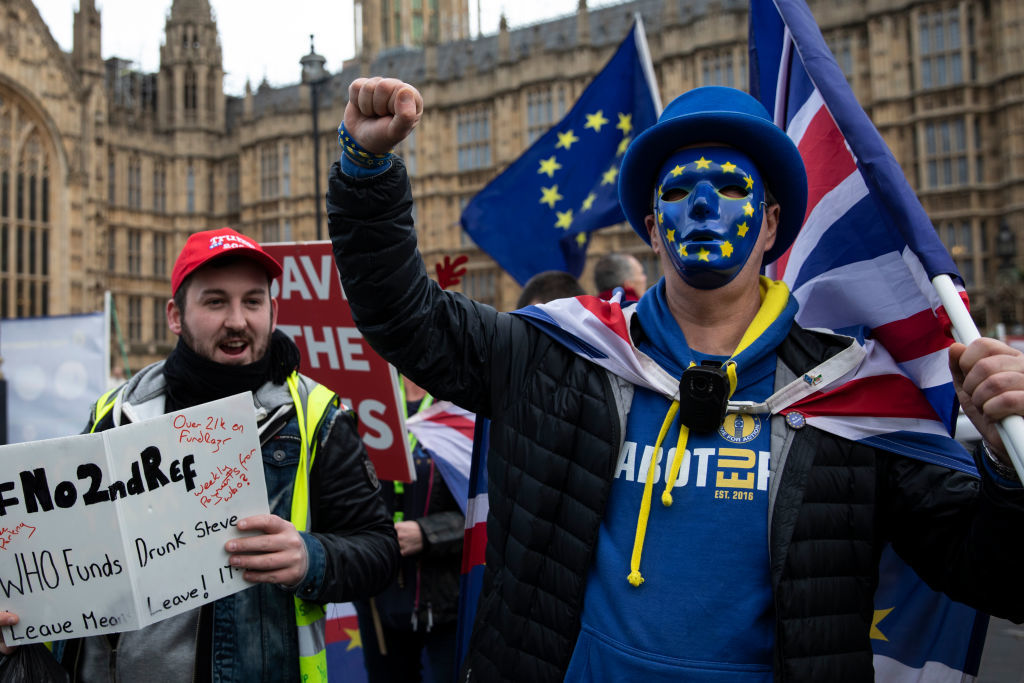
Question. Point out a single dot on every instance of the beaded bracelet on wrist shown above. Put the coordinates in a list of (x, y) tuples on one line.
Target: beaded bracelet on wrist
[(358, 154)]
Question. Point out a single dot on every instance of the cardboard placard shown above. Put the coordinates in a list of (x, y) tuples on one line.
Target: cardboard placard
[(114, 531)]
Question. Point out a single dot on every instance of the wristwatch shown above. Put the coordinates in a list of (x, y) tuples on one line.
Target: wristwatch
[(1003, 470)]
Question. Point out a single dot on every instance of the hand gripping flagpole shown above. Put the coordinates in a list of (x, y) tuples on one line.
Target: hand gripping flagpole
[(1011, 429)]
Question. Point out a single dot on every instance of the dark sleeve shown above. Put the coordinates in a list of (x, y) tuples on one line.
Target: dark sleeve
[(349, 518), (455, 348), (963, 535)]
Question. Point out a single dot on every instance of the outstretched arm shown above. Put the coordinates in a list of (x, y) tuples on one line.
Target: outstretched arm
[(456, 348), (963, 535)]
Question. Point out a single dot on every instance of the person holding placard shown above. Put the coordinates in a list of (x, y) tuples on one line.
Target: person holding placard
[(328, 537)]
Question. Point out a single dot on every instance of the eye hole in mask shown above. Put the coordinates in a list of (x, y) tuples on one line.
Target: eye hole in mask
[(675, 194)]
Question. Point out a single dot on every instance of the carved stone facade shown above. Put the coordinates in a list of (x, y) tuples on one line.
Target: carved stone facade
[(105, 171)]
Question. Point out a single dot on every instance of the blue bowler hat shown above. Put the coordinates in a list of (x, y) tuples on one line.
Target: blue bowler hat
[(728, 116)]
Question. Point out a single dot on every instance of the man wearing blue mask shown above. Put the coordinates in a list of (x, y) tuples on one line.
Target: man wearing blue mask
[(708, 213), (757, 560)]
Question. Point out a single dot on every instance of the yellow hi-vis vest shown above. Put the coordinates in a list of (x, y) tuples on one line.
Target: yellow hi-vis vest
[(310, 617), (310, 408)]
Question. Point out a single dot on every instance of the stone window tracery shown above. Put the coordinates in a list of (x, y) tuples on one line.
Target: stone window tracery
[(25, 212)]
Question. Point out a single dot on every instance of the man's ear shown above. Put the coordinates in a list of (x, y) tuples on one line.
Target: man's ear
[(273, 314), (771, 227), (173, 317), (652, 233)]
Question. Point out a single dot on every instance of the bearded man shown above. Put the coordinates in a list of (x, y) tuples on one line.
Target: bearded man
[(313, 460)]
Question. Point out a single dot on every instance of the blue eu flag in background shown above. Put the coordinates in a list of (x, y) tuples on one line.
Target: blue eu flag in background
[(539, 213)]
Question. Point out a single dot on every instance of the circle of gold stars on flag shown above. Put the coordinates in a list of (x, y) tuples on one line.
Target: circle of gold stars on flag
[(565, 211)]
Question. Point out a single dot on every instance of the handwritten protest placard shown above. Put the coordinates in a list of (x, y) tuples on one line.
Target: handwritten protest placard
[(113, 531)]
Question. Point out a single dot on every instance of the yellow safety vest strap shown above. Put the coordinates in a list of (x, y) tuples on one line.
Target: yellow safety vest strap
[(104, 404), (309, 412), (309, 614), (310, 618), (311, 627)]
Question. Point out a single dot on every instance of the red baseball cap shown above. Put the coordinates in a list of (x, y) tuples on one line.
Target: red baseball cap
[(203, 247)]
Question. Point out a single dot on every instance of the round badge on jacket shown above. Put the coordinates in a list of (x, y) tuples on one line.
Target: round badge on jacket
[(371, 473), (740, 428), (795, 420)]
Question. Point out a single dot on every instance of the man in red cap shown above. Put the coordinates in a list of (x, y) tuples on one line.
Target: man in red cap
[(757, 557), (225, 318)]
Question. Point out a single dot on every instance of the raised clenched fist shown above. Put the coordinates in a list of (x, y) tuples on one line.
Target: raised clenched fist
[(381, 112)]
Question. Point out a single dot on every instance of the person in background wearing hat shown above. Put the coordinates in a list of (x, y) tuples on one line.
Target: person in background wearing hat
[(761, 560), (225, 318)]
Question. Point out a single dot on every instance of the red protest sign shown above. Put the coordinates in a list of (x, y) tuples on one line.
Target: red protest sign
[(313, 311)]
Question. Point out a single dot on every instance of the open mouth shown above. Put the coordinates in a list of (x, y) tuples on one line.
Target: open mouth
[(233, 347)]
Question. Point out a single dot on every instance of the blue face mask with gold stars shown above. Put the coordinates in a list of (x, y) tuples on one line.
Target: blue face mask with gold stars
[(709, 207)]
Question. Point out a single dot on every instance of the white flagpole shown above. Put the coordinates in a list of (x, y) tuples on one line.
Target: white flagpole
[(779, 115), (646, 62), (1011, 429)]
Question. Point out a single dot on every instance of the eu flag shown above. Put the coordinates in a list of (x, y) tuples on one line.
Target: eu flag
[(538, 214)]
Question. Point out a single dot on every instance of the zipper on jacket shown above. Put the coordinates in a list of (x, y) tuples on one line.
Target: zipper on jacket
[(416, 598), (78, 662), (195, 647), (419, 562), (112, 662)]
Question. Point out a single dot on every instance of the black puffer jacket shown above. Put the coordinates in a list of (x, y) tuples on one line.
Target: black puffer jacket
[(557, 425)]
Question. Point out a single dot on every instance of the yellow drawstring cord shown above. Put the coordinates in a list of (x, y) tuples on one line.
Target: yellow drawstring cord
[(635, 578), (645, 504), (684, 434), (774, 297)]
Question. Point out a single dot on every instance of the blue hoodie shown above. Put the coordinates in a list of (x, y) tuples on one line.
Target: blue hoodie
[(704, 610)]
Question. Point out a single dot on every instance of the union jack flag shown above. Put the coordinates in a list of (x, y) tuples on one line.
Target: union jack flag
[(863, 265), (474, 542), (864, 259), (446, 431)]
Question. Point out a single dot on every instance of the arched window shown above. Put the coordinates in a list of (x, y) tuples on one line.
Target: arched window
[(25, 190)]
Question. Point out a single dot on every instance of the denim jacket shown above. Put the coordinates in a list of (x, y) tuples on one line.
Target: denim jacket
[(253, 636)]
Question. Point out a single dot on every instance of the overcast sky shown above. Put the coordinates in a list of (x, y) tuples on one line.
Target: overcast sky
[(260, 39)]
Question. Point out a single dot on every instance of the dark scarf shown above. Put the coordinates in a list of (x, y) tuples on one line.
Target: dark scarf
[(193, 379)]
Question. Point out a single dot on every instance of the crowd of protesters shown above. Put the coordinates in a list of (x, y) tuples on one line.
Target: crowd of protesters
[(758, 565)]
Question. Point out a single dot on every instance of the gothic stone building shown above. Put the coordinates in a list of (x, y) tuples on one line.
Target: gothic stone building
[(105, 170)]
